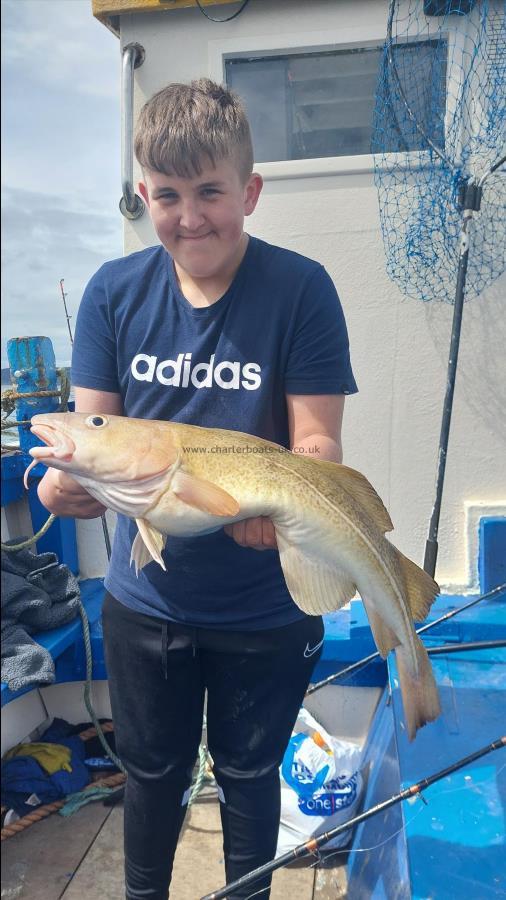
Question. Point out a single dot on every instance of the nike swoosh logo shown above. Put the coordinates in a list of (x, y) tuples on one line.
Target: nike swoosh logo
[(309, 651)]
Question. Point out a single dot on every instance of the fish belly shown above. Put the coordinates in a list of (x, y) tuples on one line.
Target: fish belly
[(175, 517)]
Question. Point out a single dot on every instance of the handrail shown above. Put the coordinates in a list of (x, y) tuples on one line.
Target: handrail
[(131, 205)]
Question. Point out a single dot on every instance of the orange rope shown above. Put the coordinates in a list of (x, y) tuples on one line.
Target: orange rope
[(43, 811)]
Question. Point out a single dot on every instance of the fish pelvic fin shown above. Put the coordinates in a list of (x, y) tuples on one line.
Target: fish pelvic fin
[(315, 587), (420, 696), (204, 495), (360, 489), (140, 554), (147, 546), (421, 589)]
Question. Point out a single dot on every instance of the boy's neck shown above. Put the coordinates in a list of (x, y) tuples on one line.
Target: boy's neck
[(207, 290)]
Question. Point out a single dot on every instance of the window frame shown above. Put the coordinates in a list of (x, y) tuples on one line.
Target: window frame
[(264, 45)]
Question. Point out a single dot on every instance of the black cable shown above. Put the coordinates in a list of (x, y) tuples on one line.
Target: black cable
[(229, 18), (498, 164)]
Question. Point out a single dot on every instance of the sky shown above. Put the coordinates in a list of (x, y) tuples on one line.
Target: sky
[(61, 163)]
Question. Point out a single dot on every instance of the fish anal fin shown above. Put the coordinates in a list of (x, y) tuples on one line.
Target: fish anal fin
[(384, 637), (420, 697), (315, 587), (154, 542), (204, 495), (421, 589), (360, 489)]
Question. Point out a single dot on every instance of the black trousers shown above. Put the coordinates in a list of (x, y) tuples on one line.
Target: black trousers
[(158, 675)]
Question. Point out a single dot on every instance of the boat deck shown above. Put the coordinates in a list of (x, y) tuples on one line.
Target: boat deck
[(81, 856)]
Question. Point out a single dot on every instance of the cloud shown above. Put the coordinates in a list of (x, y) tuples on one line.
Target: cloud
[(45, 239), (59, 42), (61, 162)]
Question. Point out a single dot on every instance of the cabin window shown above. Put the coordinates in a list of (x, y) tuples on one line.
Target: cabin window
[(307, 105)]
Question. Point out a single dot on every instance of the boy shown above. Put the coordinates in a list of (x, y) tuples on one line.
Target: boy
[(219, 329)]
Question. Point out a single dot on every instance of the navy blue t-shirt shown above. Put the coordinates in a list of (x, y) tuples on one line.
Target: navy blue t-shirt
[(278, 329)]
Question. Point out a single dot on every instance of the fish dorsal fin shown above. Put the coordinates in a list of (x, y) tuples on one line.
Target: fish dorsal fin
[(148, 545), (203, 495), (360, 489), (315, 587), (421, 589)]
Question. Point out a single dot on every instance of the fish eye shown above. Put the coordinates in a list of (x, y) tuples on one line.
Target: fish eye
[(96, 421)]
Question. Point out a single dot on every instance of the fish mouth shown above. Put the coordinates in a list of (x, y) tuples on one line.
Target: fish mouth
[(58, 446)]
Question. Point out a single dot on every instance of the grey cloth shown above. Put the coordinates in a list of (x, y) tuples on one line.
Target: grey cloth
[(38, 593)]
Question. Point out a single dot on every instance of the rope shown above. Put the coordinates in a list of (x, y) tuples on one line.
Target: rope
[(10, 396), (12, 548), (87, 692), (202, 775), (43, 811)]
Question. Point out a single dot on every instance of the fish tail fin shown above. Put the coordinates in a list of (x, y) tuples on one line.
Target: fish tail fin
[(420, 697), (421, 589)]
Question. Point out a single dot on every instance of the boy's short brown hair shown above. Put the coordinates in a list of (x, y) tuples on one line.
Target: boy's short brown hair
[(183, 124)]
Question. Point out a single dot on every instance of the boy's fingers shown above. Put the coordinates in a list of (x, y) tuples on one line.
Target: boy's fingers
[(257, 533), (268, 533)]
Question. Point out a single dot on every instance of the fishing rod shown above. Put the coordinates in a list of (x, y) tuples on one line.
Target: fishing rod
[(68, 317), (465, 647), (496, 592), (105, 528), (310, 847)]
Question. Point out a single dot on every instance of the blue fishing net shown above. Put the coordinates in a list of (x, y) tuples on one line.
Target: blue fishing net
[(439, 124)]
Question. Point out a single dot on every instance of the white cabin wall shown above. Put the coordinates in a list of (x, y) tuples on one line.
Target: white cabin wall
[(399, 346)]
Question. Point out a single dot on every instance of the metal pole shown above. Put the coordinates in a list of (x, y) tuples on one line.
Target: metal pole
[(131, 205), (471, 198)]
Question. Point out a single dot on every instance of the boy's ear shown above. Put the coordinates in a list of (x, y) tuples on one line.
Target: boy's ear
[(252, 191), (143, 191)]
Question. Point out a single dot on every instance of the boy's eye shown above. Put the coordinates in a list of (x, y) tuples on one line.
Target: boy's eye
[(208, 192)]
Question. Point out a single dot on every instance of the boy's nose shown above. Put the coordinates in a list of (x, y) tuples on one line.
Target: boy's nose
[(191, 217)]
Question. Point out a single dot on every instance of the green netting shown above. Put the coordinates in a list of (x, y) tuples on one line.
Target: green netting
[(439, 123)]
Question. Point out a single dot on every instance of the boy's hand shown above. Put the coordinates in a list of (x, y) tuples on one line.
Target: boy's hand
[(64, 496), (257, 533)]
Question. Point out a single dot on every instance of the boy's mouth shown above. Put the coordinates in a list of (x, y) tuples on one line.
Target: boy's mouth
[(194, 237)]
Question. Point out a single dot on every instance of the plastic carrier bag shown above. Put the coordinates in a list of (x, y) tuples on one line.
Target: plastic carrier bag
[(321, 785)]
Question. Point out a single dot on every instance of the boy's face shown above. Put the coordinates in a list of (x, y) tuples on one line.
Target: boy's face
[(200, 220)]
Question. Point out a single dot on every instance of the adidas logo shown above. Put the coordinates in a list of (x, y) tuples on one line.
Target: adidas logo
[(179, 372)]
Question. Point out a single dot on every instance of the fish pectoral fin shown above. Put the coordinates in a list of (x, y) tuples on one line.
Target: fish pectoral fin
[(421, 589), (315, 587), (204, 495), (384, 637), (361, 489), (148, 545)]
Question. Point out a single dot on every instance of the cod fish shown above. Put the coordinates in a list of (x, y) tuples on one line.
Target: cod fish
[(177, 479)]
